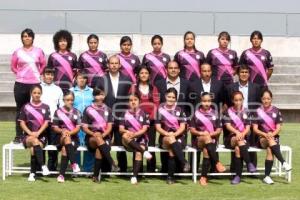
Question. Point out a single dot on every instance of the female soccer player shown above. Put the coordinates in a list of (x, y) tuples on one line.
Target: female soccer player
[(66, 123), (223, 60), (189, 59), (63, 60), (237, 121), (133, 128), (97, 123), (267, 125), (27, 63), (206, 128), (171, 125), (157, 60), (149, 103), (93, 61), (258, 59), (129, 62), (34, 118)]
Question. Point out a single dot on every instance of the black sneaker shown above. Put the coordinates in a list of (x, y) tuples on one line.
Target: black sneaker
[(17, 140), (186, 167), (115, 168), (96, 179), (170, 180)]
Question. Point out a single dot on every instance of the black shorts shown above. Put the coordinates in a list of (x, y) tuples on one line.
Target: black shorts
[(195, 142), (143, 140), (74, 141), (42, 138), (258, 145), (181, 139), (107, 140)]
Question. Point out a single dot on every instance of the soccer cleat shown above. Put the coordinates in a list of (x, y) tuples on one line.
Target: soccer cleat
[(236, 180), (220, 167), (95, 179), (186, 167), (147, 155), (203, 181), (17, 140), (133, 180), (75, 168), (268, 180), (45, 170), (286, 166), (115, 168), (61, 179), (251, 168), (31, 177), (170, 180)]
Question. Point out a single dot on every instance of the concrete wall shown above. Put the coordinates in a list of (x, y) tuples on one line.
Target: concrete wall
[(172, 17)]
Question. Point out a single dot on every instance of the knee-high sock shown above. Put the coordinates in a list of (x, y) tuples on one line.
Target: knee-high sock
[(70, 153), (211, 149), (136, 167), (276, 151), (136, 146), (33, 164), (244, 153), (63, 165), (268, 167), (238, 166), (97, 167), (205, 167), (171, 166), (105, 150), (38, 152), (178, 152)]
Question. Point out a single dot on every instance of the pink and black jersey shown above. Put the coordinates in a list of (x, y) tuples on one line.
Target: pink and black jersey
[(35, 115), (170, 119), (189, 63), (65, 66), (97, 118), (68, 120), (259, 62), (94, 64), (267, 119), (238, 119), (223, 64), (206, 120), (129, 65), (134, 121), (158, 64), (28, 65)]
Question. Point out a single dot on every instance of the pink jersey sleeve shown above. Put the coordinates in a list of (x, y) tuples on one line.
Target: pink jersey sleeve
[(14, 62), (42, 60)]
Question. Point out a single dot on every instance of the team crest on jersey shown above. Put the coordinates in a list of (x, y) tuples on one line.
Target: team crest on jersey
[(141, 119), (245, 116), (230, 56), (177, 113), (43, 111), (133, 61), (70, 58), (164, 59), (106, 113), (75, 117), (198, 57), (263, 57), (213, 118), (100, 59), (274, 115)]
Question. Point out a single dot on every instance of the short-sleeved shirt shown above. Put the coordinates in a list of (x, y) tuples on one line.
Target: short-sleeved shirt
[(167, 123), (273, 113), (94, 64), (187, 69), (96, 118), (35, 115), (68, 120), (132, 61), (263, 56), (223, 64), (158, 64), (243, 115)]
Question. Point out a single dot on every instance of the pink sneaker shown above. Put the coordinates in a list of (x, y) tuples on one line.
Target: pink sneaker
[(61, 179), (75, 168)]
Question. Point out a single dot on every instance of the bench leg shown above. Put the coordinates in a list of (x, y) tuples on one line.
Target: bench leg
[(3, 163), (9, 161), (194, 166), (289, 160)]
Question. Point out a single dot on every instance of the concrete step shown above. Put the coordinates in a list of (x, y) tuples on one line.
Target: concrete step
[(286, 60), (287, 69), (7, 99), (7, 76), (286, 98), (285, 78), (7, 85), (284, 87)]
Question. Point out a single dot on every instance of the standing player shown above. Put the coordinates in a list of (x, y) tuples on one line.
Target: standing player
[(237, 121), (63, 60), (97, 123), (267, 125), (223, 60), (66, 123), (34, 118), (171, 125), (189, 59), (258, 59), (205, 128), (27, 63), (156, 60), (133, 128), (93, 61), (129, 62)]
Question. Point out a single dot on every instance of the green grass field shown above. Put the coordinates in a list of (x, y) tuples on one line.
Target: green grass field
[(17, 187)]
